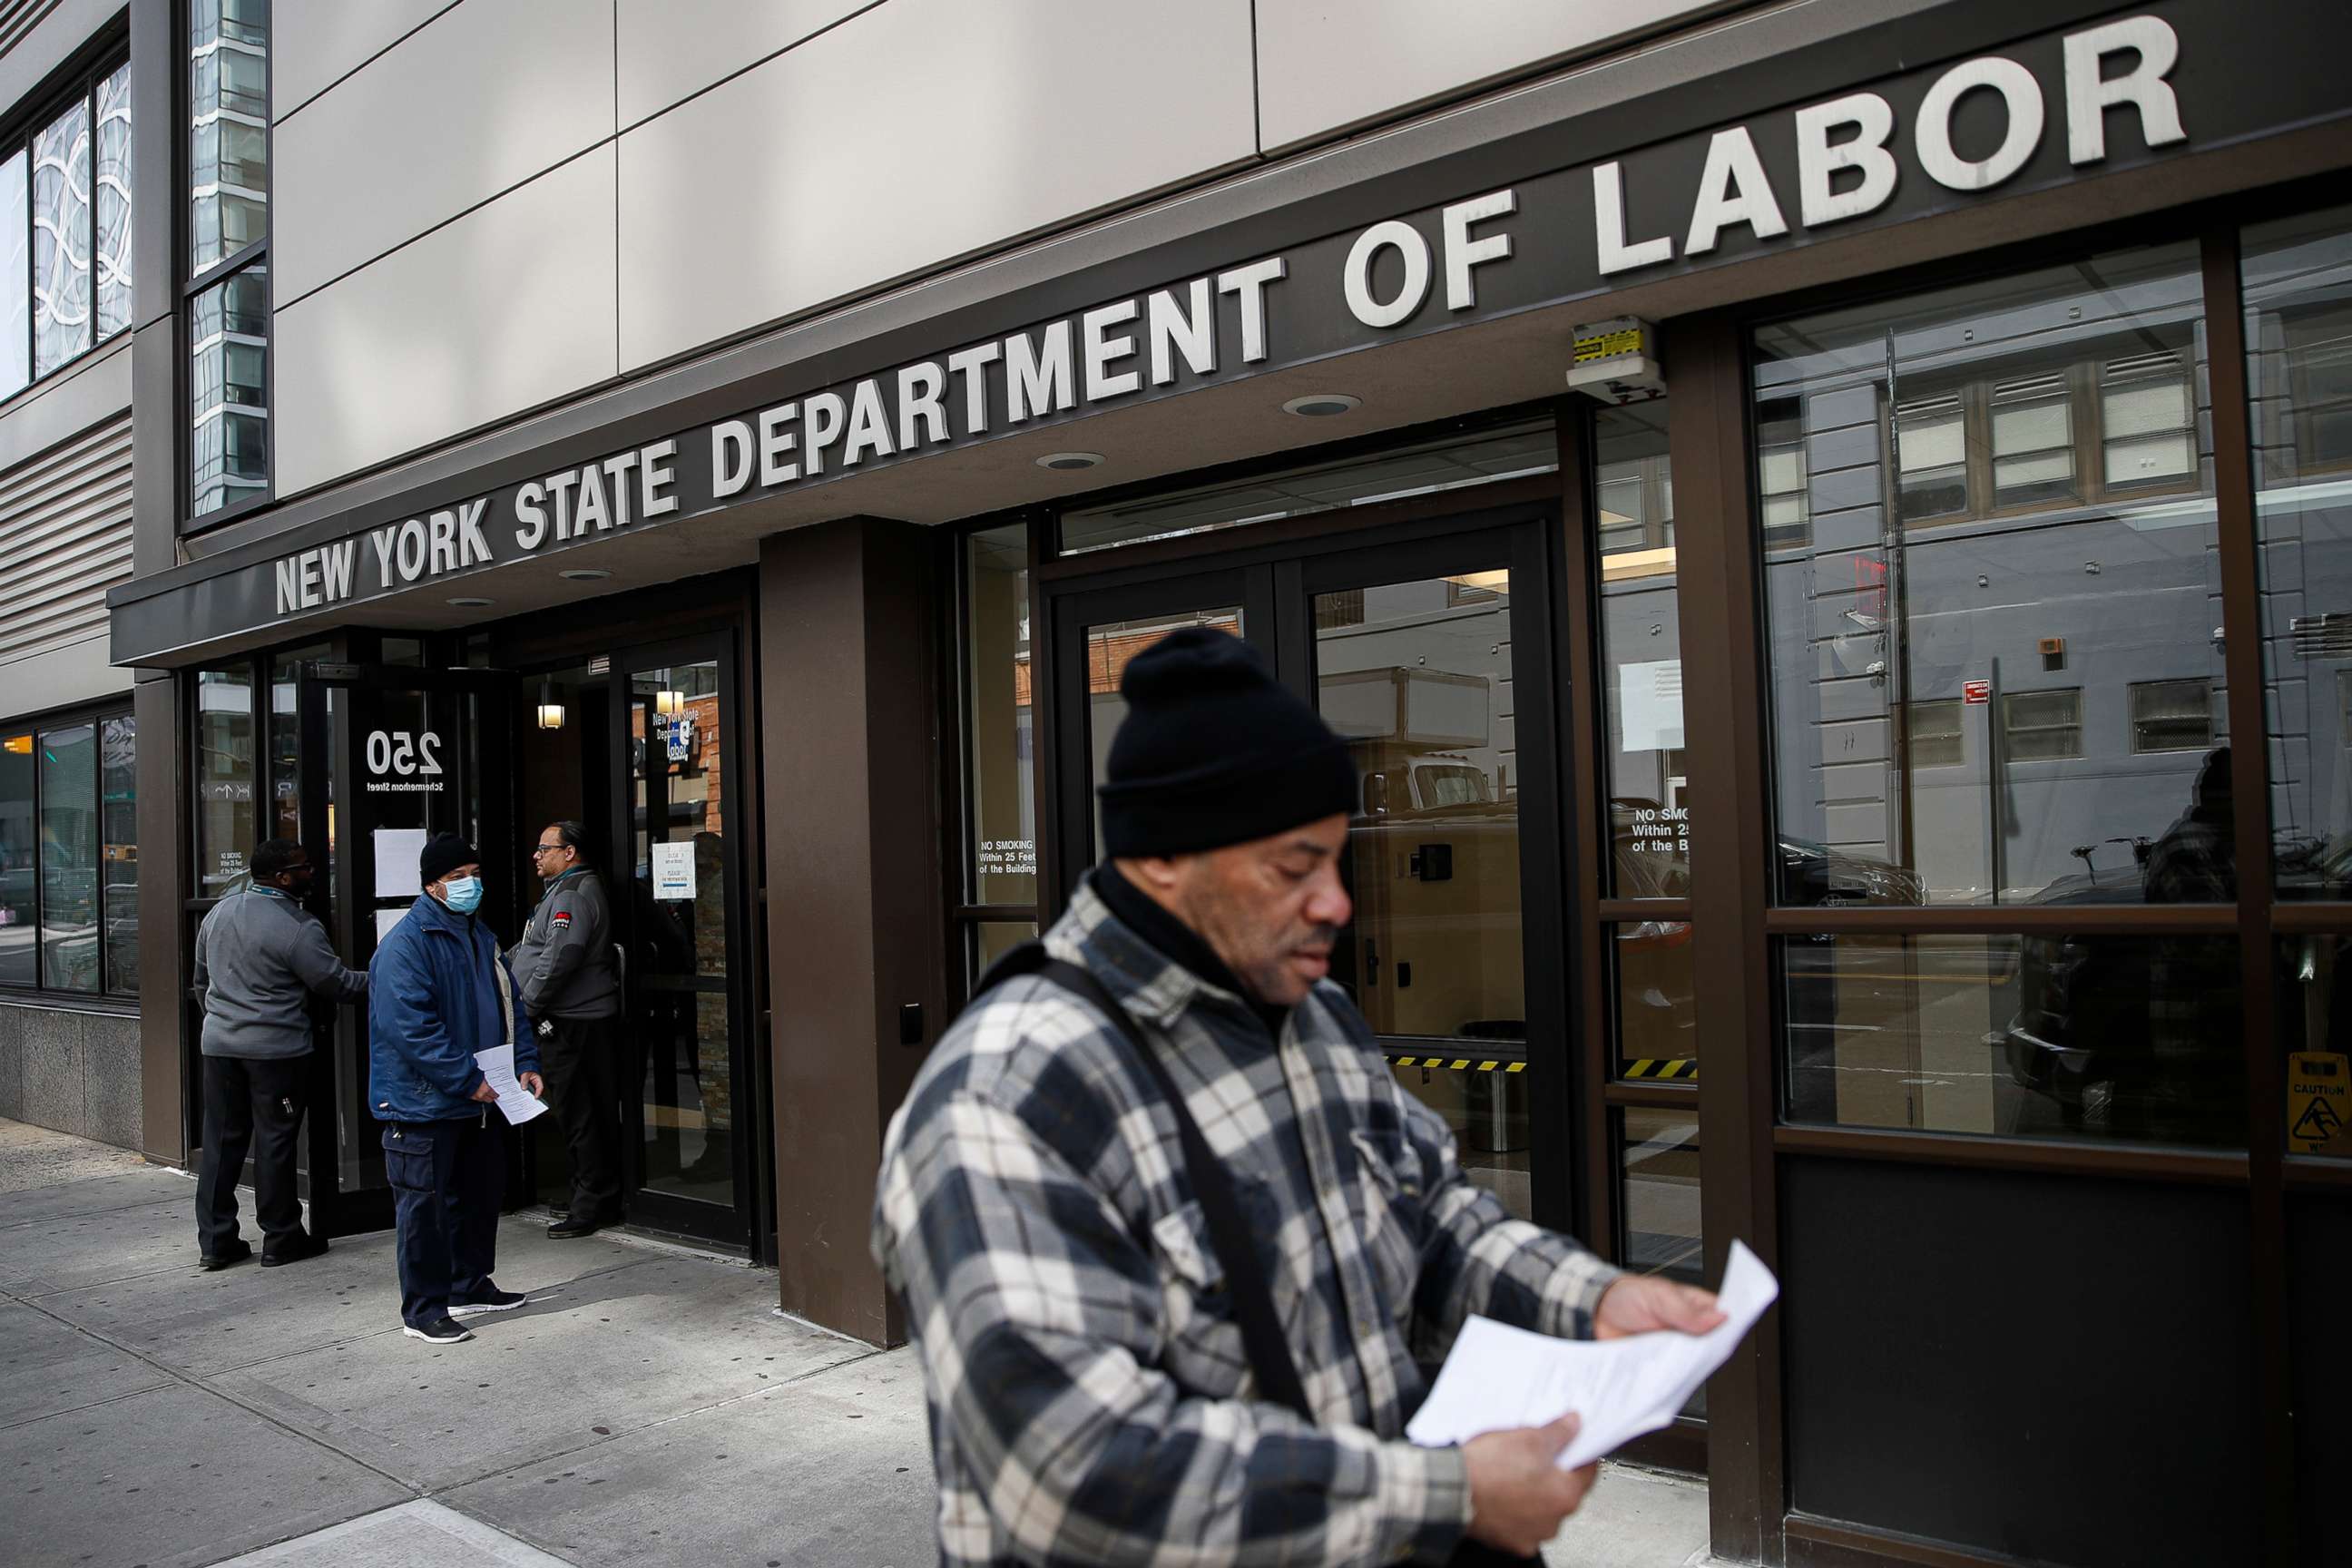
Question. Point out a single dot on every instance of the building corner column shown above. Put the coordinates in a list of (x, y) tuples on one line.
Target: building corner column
[(851, 745), (157, 58)]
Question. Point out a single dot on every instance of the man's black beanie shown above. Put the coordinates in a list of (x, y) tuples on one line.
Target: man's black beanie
[(1213, 751), (444, 854)]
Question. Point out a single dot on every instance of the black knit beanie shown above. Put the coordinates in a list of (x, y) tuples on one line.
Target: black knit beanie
[(1214, 751), (444, 853)]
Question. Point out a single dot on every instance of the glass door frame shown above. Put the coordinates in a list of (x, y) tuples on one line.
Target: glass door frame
[(1274, 571), (739, 1225), (330, 757)]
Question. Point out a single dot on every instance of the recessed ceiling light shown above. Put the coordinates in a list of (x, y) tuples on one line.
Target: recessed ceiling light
[(1322, 404), (471, 604), (585, 575), (1068, 462)]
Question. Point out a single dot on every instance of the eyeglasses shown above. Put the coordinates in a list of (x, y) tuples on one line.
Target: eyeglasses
[(548, 848)]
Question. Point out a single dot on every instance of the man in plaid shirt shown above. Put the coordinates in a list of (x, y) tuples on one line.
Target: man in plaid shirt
[(1091, 1401)]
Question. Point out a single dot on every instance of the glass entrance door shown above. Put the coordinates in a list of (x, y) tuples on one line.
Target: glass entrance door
[(388, 757), (679, 911), (1097, 633), (1408, 642)]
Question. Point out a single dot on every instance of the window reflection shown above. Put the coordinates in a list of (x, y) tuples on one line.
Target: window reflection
[(2298, 301), (228, 126), (19, 862), (1419, 687), (2123, 1037), (15, 272), (1655, 986), (1416, 676), (675, 956), (224, 770), (1640, 652), (111, 198), (61, 238), (1658, 1162), (70, 857), (228, 391), (119, 812), (998, 707), (1992, 588)]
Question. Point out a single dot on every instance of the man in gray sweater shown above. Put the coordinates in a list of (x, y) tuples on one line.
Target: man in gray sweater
[(260, 959), (570, 976)]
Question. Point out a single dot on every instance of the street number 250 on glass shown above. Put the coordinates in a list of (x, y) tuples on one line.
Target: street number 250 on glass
[(398, 752)]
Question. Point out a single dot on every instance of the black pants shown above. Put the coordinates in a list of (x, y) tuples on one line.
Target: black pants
[(447, 1178), (257, 1103), (576, 1060)]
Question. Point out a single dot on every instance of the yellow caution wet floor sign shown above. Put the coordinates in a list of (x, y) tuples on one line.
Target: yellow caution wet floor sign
[(2317, 1083)]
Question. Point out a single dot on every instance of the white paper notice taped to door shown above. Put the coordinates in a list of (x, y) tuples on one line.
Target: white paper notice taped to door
[(674, 871), (1649, 705), (397, 853)]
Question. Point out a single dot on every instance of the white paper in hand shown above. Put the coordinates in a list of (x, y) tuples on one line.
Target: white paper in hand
[(518, 1104), (1498, 1377)]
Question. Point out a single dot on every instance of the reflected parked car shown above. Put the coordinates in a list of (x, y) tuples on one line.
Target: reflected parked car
[(2140, 1032)]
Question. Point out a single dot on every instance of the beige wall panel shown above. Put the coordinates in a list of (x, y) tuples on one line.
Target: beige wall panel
[(507, 307), (910, 134), (76, 673), (1325, 65), (487, 96), (669, 50), (315, 41)]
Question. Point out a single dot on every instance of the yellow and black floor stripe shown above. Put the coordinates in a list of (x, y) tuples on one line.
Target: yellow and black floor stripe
[(1459, 1064), (1657, 1068)]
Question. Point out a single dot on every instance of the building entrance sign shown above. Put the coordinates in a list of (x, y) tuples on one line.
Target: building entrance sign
[(2032, 117), (400, 762)]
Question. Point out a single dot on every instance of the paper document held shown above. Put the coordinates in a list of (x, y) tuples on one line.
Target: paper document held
[(517, 1103), (1498, 1377)]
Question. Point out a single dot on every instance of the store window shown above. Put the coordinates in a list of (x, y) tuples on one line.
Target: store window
[(2008, 537), (999, 907), (2297, 277), (229, 302), (65, 230), (68, 856)]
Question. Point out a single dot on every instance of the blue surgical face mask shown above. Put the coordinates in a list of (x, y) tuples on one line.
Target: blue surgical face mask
[(462, 894)]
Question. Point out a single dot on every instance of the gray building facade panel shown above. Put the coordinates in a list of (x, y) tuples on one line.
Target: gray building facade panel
[(477, 101)]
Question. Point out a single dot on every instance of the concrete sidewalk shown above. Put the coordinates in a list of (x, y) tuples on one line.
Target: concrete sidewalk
[(648, 1405)]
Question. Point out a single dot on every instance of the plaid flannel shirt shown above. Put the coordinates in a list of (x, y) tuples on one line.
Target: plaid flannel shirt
[(1091, 1400)]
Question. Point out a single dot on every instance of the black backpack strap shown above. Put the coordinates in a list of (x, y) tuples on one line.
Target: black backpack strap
[(1023, 958), (1229, 1233)]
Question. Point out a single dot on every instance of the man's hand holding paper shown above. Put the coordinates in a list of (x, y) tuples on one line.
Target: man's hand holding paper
[(1634, 1379)]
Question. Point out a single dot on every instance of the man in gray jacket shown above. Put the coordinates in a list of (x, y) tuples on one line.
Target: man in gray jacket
[(261, 957), (570, 975)]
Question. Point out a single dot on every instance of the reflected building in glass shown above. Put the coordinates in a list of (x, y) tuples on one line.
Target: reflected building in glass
[(1992, 581)]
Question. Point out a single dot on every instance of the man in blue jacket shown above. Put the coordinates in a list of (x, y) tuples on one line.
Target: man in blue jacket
[(439, 993)]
